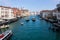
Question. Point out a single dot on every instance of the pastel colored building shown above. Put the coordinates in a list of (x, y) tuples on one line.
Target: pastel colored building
[(16, 12), (25, 12), (6, 12), (9, 13)]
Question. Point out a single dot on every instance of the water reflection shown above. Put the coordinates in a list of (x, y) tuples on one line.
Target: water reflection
[(57, 36), (37, 30), (3, 30)]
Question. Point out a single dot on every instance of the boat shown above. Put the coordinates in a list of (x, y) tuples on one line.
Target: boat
[(27, 20), (21, 23), (5, 35), (4, 26), (33, 19)]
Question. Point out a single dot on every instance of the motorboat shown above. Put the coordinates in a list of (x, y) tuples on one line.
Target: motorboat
[(21, 23), (33, 19), (27, 20), (5, 35)]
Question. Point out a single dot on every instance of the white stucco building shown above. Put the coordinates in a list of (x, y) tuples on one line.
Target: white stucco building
[(58, 16), (45, 13), (6, 12), (58, 13)]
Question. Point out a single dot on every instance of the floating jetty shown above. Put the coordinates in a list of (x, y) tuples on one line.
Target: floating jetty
[(56, 24), (10, 20), (4, 26), (5, 35), (56, 27), (52, 21)]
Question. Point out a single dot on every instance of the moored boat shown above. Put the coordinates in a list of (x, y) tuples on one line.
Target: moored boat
[(27, 19), (5, 35), (21, 23), (33, 19)]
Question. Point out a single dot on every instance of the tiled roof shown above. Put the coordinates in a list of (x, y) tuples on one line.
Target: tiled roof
[(6, 7), (55, 10), (24, 10), (46, 11)]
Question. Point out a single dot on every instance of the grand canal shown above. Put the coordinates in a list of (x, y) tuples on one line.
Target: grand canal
[(37, 30)]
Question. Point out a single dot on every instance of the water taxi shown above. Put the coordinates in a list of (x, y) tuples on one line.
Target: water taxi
[(27, 20), (33, 19), (21, 23), (5, 35)]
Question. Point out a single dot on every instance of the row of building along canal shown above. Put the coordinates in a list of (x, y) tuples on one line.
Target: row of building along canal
[(32, 29)]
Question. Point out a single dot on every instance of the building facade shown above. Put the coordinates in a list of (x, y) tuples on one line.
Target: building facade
[(6, 12), (58, 13), (9, 13), (17, 12), (25, 12), (45, 13)]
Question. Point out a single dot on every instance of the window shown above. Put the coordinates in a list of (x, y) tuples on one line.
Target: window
[(2, 8), (11, 12), (2, 15), (6, 12), (58, 15), (6, 15), (6, 8), (2, 11)]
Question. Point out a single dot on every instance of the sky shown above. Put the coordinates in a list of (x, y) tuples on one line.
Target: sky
[(32, 5)]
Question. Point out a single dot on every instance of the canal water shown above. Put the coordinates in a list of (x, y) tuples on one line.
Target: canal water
[(37, 30)]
